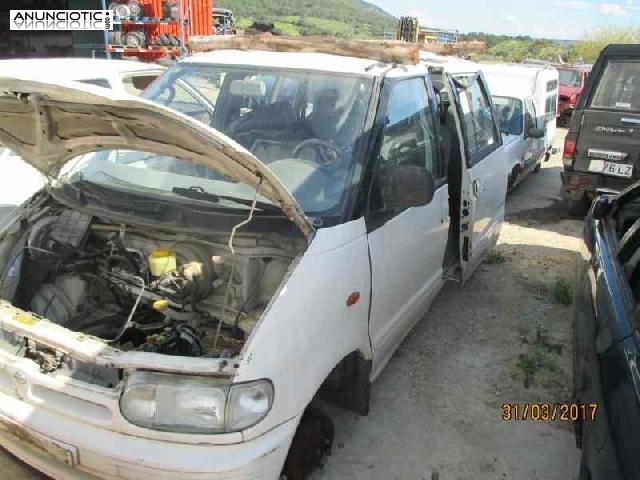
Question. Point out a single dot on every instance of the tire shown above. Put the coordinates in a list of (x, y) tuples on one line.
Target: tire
[(311, 443), (537, 167), (135, 39), (578, 208), (135, 8)]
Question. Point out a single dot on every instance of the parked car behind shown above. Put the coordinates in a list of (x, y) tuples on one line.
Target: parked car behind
[(120, 75), (606, 339), (522, 94), (573, 79), (197, 279), (602, 147)]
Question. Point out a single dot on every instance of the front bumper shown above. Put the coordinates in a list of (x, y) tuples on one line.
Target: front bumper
[(576, 185), (65, 448)]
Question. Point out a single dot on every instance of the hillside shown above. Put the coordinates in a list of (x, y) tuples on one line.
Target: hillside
[(340, 18)]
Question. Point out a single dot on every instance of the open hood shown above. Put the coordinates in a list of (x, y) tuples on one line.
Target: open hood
[(48, 124)]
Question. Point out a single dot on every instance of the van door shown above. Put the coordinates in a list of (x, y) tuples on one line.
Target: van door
[(407, 247), (609, 138), (534, 146), (484, 184)]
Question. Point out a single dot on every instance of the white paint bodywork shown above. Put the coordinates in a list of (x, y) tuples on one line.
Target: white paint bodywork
[(79, 70), (70, 429), (527, 81)]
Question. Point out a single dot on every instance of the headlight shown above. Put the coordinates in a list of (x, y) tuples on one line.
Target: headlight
[(180, 403)]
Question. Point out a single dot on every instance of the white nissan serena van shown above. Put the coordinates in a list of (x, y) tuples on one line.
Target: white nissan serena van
[(261, 231)]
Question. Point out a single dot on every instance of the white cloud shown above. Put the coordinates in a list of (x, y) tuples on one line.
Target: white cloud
[(511, 18), (614, 10), (573, 4)]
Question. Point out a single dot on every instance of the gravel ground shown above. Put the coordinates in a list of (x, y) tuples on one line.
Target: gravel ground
[(501, 338)]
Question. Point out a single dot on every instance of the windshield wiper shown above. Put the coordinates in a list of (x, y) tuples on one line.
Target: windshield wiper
[(199, 193)]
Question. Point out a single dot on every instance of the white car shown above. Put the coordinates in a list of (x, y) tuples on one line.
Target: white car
[(120, 75), (526, 99), (187, 284)]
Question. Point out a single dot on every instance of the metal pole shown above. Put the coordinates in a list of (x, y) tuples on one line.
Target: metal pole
[(105, 34), (182, 42)]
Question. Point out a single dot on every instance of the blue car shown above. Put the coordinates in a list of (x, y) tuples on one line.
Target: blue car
[(606, 330)]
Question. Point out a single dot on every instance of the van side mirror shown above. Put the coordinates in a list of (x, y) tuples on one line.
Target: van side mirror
[(405, 186), (536, 132)]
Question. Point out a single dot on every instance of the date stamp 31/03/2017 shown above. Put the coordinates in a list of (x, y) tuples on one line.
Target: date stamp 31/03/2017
[(546, 412)]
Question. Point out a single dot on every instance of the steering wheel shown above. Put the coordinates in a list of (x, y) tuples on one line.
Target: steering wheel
[(327, 152)]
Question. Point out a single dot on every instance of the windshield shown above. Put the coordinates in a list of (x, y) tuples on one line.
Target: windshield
[(569, 78), (619, 86), (305, 126), (509, 112)]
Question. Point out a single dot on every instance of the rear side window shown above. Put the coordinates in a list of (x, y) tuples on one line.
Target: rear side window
[(135, 84), (551, 107), (619, 86), (100, 82)]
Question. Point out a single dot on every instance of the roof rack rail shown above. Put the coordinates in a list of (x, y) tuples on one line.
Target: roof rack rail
[(385, 51)]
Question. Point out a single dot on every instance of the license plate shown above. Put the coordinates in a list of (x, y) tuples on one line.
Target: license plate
[(611, 168), (17, 434)]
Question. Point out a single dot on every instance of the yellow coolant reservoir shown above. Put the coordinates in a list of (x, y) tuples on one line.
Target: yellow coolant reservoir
[(162, 261)]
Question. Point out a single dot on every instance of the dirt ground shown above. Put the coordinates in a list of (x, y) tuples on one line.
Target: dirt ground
[(504, 337)]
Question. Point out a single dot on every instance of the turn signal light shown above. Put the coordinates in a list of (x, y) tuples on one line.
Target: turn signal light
[(569, 148)]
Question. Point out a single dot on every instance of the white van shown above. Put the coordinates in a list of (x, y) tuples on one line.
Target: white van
[(188, 283), (121, 75), (525, 98)]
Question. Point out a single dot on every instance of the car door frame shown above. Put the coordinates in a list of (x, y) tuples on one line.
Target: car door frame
[(385, 344), (473, 251)]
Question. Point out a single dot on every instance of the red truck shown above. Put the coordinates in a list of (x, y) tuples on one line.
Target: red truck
[(573, 79)]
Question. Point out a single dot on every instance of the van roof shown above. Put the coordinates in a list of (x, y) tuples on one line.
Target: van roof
[(71, 68), (516, 80)]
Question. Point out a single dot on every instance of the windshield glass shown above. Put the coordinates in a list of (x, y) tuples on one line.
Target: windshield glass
[(509, 112), (619, 86), (569, 78), (305, 126)]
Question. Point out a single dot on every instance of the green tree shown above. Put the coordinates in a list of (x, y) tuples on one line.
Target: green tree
[(589, 47)]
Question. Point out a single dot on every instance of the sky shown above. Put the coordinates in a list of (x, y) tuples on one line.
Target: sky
[(557, 19)]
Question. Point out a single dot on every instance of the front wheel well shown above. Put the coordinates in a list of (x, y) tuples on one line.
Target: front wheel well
[(348, 384)]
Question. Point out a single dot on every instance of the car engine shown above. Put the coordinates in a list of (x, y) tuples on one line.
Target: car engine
[(145, 290)]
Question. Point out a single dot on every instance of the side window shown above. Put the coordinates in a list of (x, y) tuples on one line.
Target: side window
[(135, 84), (477, 118), (408, 137), (100, 82), (530, 120), (551, 107)]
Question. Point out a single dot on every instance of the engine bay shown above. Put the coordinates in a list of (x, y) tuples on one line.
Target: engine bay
[(141, 289)]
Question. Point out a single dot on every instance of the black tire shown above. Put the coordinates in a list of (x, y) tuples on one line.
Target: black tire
[(537, 167), (578, 208), (311, 443)]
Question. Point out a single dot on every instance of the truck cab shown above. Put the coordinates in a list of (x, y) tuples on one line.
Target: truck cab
[(260, 231)]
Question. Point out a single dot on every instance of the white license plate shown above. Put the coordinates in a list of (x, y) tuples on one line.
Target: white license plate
[(19, 435), (611, 168)]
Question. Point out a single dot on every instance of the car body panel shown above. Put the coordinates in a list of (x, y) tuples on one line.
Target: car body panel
[(94, 71), (606, 353)]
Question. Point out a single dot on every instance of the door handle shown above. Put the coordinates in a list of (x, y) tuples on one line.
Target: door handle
[(475, 188)]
